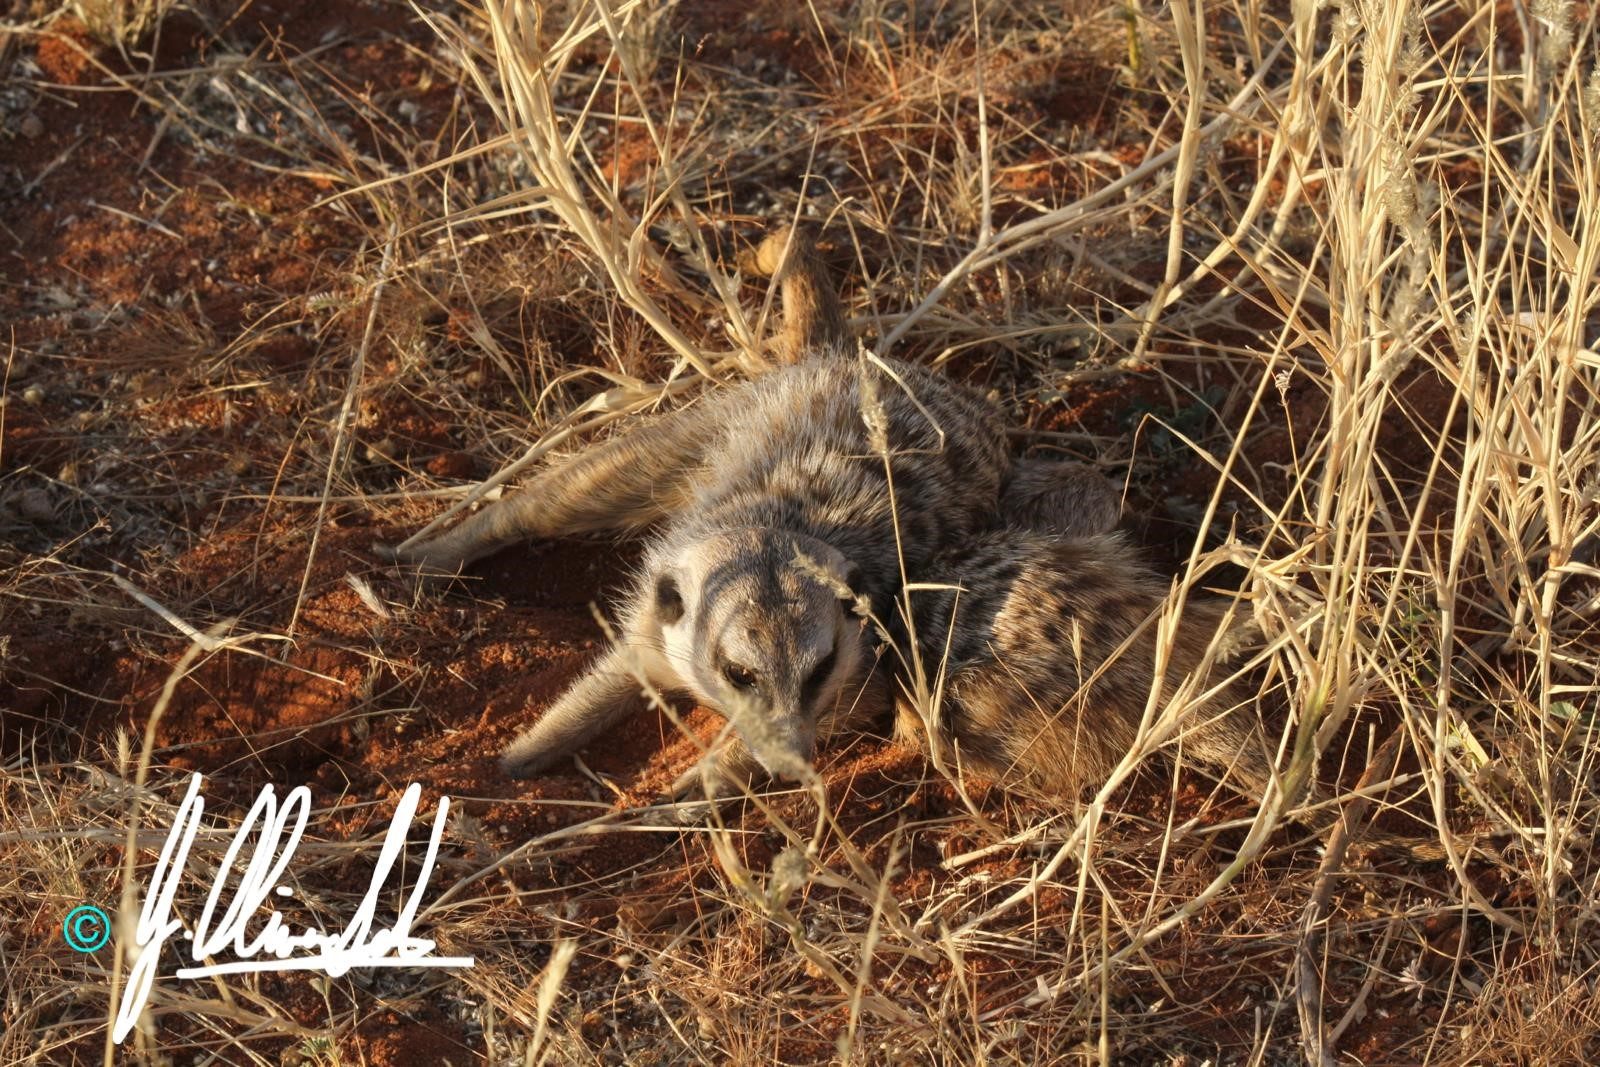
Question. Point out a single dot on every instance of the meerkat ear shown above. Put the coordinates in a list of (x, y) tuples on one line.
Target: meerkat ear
[(850, 575), (669, 601)]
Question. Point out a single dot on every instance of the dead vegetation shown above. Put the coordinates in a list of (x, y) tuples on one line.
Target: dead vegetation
[(1318, 283)]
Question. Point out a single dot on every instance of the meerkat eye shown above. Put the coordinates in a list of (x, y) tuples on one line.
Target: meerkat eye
[(819, 676), (741, 678)]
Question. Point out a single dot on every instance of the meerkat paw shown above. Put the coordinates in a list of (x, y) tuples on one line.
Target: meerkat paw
[(727, 772), (767, 258), (421, 558), (720, 777)]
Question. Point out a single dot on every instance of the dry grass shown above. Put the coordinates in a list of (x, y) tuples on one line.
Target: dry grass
[(1338, 269)]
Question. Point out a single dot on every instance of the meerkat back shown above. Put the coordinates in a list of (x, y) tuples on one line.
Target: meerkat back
[(1048, 645)]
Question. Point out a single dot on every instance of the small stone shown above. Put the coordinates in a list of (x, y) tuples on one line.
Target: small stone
[(35, 506), (31, 126), (34, 394), (452, 465), (384, 449)]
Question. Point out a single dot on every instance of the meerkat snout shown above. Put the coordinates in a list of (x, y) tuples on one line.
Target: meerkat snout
[(756, 623)]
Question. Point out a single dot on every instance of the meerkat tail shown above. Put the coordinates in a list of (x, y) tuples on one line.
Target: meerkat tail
[(1059, 497), (813, 319), (604, 695), (625, 484)]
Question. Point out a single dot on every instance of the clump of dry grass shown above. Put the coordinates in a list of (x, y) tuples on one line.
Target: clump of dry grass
[(1361, 240), (122, 22)]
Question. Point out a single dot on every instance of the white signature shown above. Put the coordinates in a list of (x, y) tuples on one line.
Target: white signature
[(357, 945)]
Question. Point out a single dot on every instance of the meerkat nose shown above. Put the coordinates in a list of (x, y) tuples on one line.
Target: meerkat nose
[(786, 750)]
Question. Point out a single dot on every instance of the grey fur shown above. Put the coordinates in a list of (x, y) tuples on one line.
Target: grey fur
[(1059, 497)]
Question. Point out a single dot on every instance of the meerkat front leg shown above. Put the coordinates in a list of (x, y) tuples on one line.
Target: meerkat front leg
[(625, 484), (608, 692)]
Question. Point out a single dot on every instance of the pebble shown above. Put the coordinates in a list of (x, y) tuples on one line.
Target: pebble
[(36, 507), (452, 465)]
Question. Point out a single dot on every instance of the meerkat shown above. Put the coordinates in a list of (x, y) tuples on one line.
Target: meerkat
[(1046, 641), (775, 505), (790, 509), (769, 500)]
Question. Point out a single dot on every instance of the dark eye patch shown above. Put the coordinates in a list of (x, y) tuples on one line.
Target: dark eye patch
[(741, 678), (819, 675)]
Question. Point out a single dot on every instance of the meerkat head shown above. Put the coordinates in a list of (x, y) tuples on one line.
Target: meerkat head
[(757, 624)]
